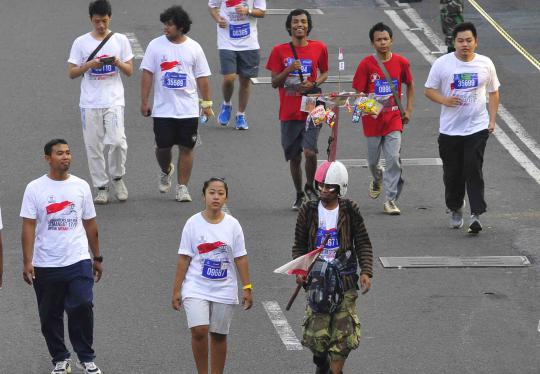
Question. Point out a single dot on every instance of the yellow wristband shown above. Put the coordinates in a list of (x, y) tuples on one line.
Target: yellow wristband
[(206, 104), (247, 287)]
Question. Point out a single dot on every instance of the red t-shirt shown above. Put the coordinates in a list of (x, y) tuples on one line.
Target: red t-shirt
[(369, 78), (313, 57)]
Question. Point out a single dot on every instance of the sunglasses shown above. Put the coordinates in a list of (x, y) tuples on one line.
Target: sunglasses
[(328, 187)]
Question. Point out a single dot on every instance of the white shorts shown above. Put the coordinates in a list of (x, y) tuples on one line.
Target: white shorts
[(208, 313)]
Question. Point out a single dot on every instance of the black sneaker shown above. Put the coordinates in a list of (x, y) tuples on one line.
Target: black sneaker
[(475, 227), (322, 364), (300, 198), (310, 192)]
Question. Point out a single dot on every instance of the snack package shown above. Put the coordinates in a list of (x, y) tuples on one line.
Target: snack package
[(368, 105), (318, 115), (330, 118), (309, 103)]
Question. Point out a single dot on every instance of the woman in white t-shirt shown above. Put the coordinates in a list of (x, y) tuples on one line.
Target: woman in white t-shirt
[(211, 251)]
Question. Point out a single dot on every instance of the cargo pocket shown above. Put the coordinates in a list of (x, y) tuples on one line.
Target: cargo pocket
[(316, 334), (353, 340)]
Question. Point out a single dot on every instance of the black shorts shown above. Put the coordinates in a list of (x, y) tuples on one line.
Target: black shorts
[(179, 131)]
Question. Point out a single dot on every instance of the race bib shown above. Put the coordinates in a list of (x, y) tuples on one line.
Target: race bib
[(382, 88), (307, 66), (332, 245), (465, 81), (215, 270), (104, 70), (174, 80), (239, 31)]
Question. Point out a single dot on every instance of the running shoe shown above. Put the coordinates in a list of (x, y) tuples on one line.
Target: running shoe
[(62, 367), (391, 208), (182, 193), (102, 196), (165, 180), (225, 114), (300, 198), (456, 217), (88, 367), (241, 123), (120, 189), (310, 192), (475, 226)]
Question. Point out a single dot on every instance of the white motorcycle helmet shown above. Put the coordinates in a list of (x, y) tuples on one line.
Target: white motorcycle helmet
[(333, 172)]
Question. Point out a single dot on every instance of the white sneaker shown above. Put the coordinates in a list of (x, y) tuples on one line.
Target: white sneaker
[(88, 367), (62, 367), (102, 197), (182, 193), (391, 208), (120, 189), (165, 180)]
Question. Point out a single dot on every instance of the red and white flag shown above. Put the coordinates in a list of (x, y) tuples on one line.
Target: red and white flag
[(299, 265)]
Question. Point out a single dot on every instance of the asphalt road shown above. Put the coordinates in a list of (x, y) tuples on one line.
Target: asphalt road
[(441, 320)]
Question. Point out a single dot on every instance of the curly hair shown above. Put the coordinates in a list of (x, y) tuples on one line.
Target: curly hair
[(177, 15)]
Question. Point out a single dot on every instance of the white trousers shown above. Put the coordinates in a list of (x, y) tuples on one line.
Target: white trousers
[(104, 127)]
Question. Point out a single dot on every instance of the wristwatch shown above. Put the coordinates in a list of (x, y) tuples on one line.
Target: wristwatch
[(98, 258)]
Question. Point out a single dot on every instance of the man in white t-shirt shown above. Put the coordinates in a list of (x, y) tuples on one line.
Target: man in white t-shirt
[(102, 99), (1, 251), (459, 81), (59, 227), (238, 47), (175, 65)]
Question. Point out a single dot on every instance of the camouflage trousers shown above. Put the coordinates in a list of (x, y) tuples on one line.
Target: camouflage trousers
[(336, 334), (451, 16)]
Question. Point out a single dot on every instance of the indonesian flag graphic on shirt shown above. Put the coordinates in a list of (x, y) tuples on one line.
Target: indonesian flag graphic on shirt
[(231, 3), (58, 207), (168, 65), (209, 247)]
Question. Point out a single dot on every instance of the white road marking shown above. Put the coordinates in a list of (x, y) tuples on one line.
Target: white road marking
[(135, 45), (512, 123), (538, 326), (282, 326)]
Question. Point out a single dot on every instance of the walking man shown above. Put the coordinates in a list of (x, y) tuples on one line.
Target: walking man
[(296, 137), (175, 65), (239, 55), (59, 226), (459, 82), (383, 133), (332, 327), (99, 56)]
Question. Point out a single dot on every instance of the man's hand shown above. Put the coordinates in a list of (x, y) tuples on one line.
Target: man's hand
[(300, 279), (242, 10), (28, 273), (452, 101), (296, 65), (145, 110), (247, 299), (176, 301), (98, 270), (208, 112), (94, 64), (406, 117), (365, 283), (491, 128), (222, 22)]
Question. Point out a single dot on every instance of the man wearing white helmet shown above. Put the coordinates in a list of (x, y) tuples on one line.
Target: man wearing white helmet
[(332, 331)]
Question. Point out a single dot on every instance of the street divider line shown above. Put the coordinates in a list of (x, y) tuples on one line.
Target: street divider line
[(505, 35), (135, 45), (501, 136), (281, 325)]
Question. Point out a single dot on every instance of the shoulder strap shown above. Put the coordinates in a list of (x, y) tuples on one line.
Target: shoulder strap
[(296, 58), (390, 83), (94, 53)]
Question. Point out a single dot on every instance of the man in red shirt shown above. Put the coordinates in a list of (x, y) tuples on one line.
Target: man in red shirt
[(296, 136), (383, 133)]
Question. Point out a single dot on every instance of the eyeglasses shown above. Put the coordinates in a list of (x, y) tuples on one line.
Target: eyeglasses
[(328, 187)]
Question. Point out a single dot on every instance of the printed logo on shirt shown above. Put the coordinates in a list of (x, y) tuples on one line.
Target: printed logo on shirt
[(332, 245), (61, 216), (103, 72), (214, 259), (174, 80), (374, 77), (307, 66)]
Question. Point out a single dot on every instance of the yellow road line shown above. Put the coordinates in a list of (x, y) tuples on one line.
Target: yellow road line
[(507, 36)]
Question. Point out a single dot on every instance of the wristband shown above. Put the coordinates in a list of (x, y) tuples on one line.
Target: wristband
[(98, 258), (206, 104), (247, 287)]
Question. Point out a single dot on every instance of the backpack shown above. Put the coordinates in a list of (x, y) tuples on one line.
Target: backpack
[(324, 286)]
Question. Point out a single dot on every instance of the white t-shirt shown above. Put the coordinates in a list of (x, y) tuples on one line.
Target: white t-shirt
[(176, 68), (469, 81), (59, 208), (328, 225), (241, 31), (212, 247), (101, 88)]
